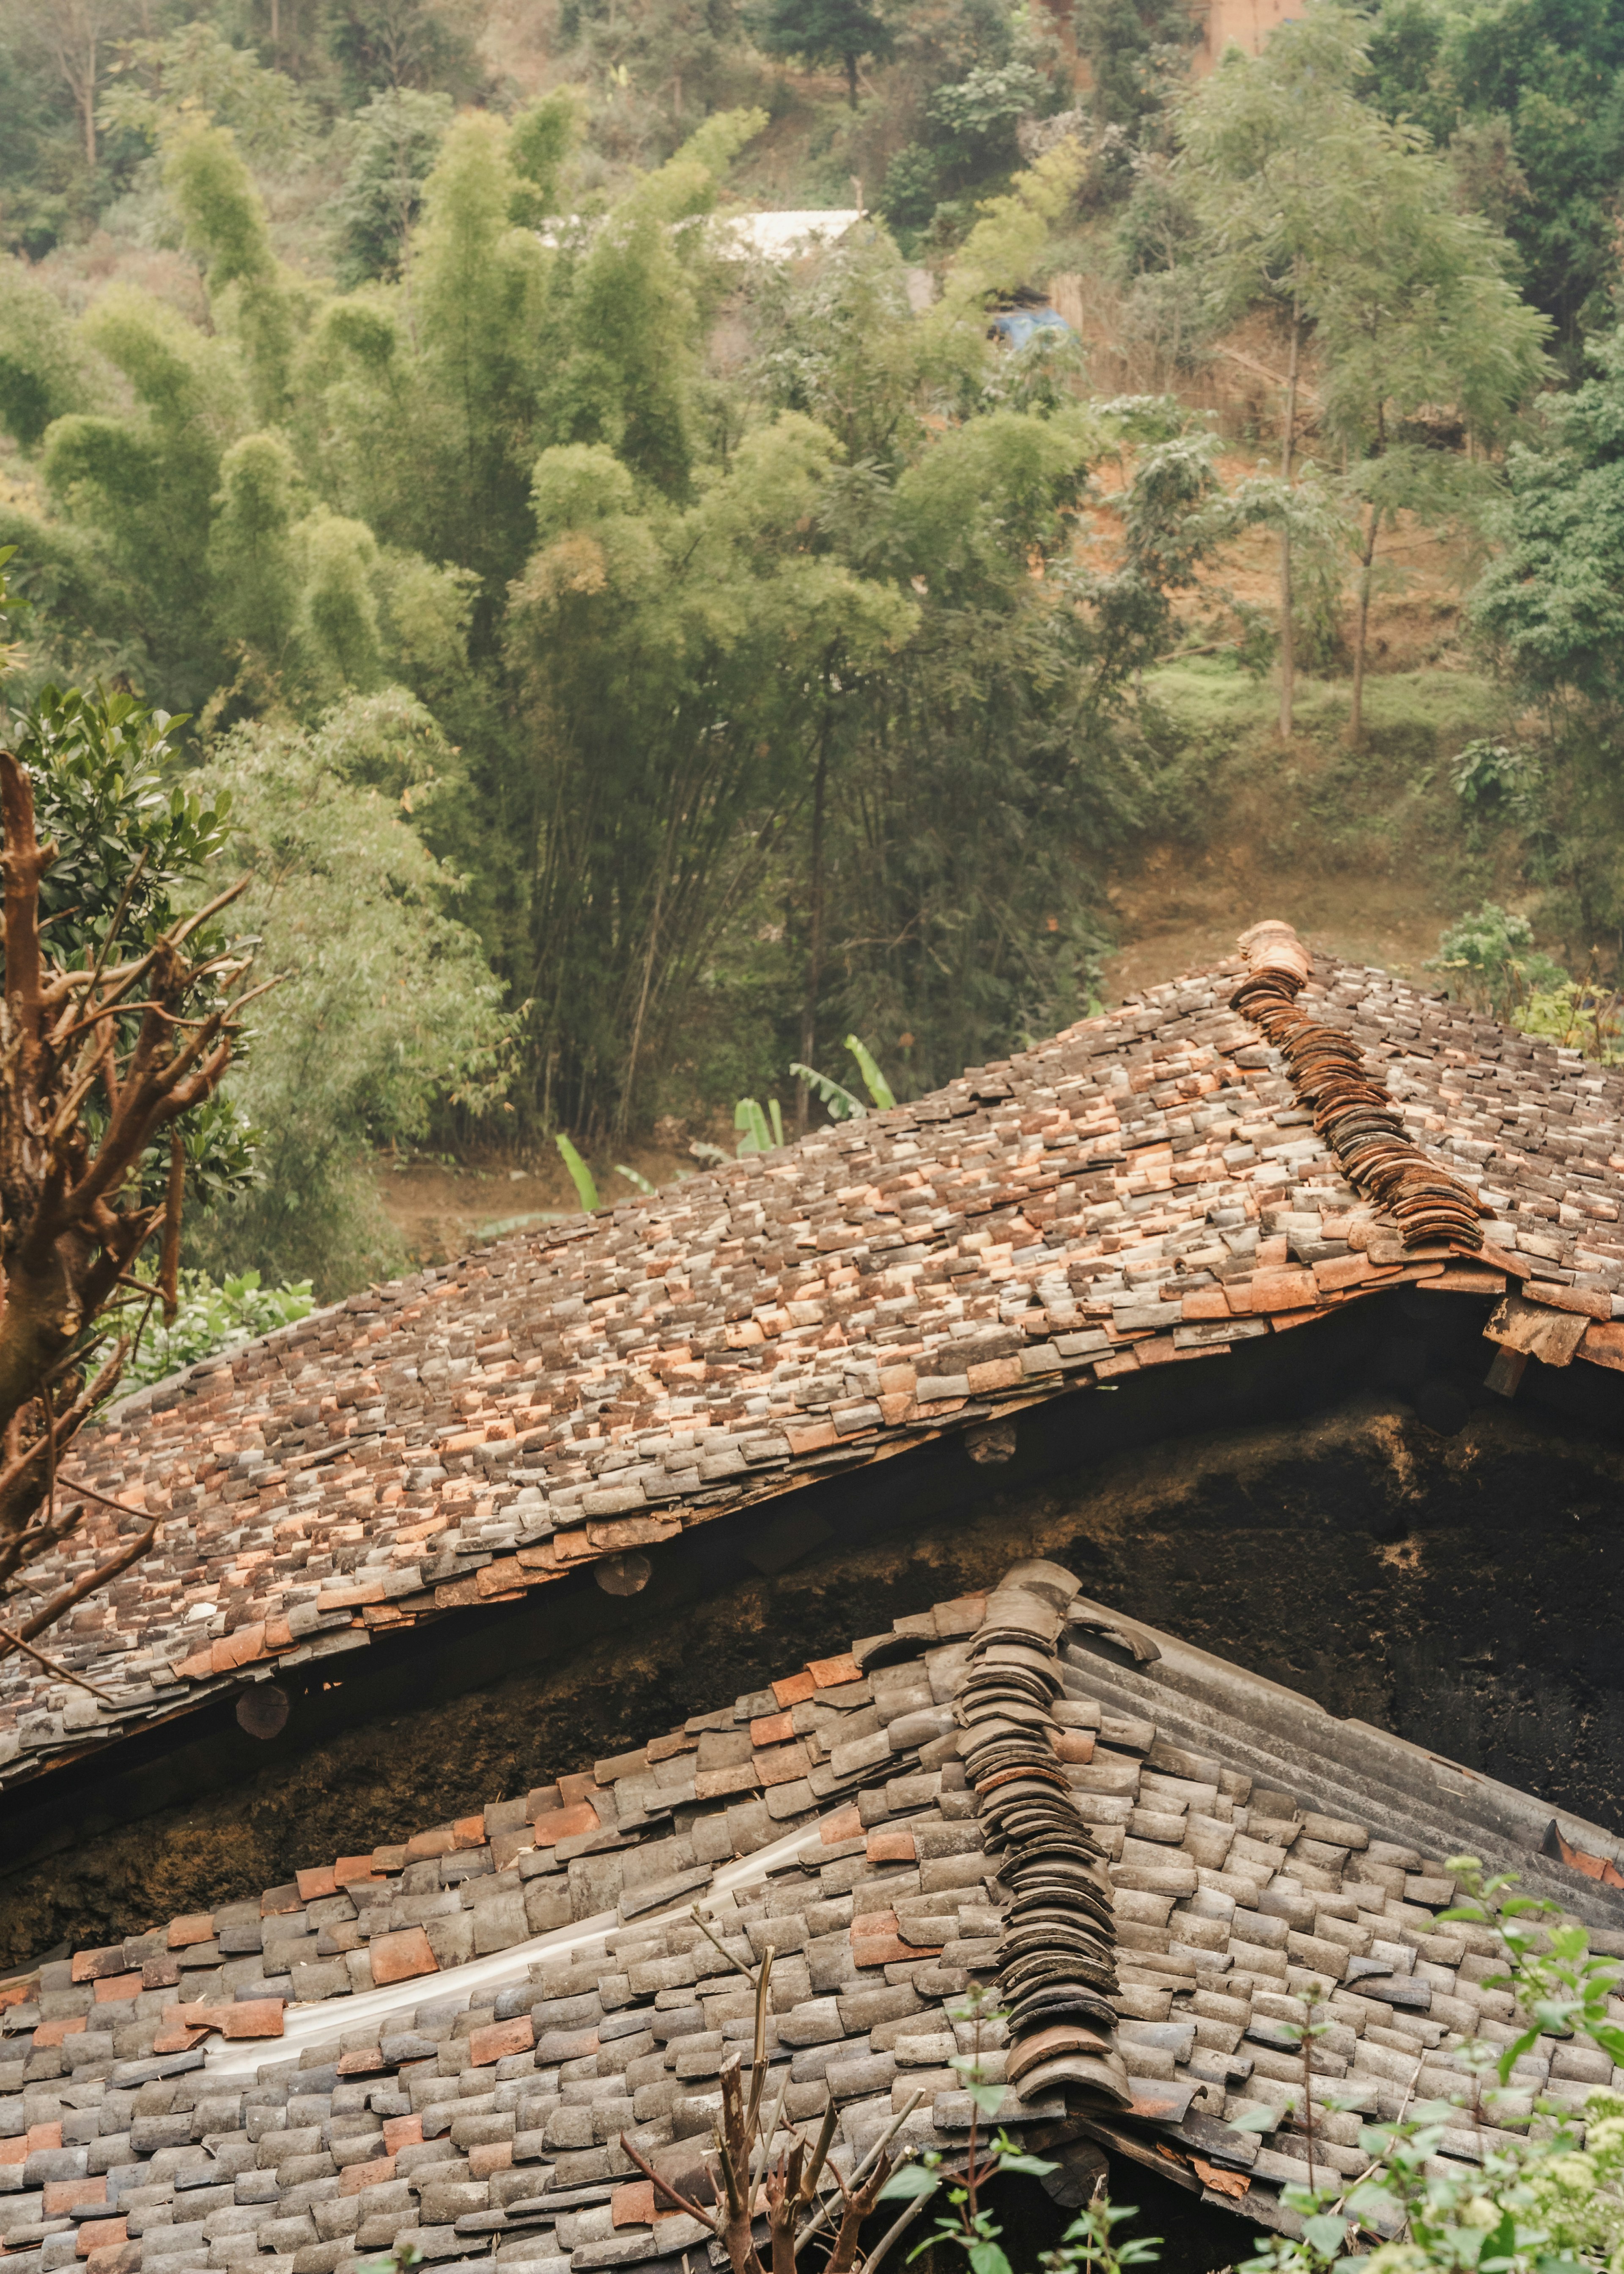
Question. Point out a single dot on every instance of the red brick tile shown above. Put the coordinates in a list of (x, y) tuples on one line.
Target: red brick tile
[(1282, 1291), (52, 2033), (831, 1673), (1073, 1744), (633, 2205), (717, 1784), (1341, 1271), (402, 2132), (314, 1884), (354, 2178), (565, 1824), (198, 1926), (102, 2235), (812, 1438), (252, 2017), (793, 1689), (896, 1845), (886, 1950), (402, 1956), (92, 1965), (490, 2155), (61, 2195), (241, 1647), (498, 2039), (844, 1824), (113, 1987), (768, 1729)]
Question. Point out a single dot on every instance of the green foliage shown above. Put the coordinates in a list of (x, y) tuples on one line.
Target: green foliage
[(1553, 600), (392, 145), (1497, 966), (1536, 91), (44, 369), (580, 1175), (224, 221), (213, 1316), (749, 1117), (874, 1082), (842, 32), (908, 194), (1534, 2201), (1135, 49), (137, 843), (193, 76), (387, 1006)]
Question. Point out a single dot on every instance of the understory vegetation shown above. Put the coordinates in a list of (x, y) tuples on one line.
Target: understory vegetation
[(631, 662)]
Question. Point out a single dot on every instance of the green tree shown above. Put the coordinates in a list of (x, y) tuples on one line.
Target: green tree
[(1137, 50), (1543, 79), (387, 1006), (140, 483), (841, 32), (1552, 605), (1346, 227), (224, 219), (121, 1020), (394, 145), (193, 76)]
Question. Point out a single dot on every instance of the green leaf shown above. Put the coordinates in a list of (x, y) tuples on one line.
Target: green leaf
[(879, 1089), (987, 2258), (908, 2183), (988, 2097), (841, 1101), (749, 1117), (1326, 2234), (1035, 2166), (778, 1120), (1258, 2118), (580, 1175), (633, 1177)]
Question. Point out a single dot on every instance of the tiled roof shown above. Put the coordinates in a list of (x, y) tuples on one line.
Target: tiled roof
[(1145, 1854), (1145, 1190)]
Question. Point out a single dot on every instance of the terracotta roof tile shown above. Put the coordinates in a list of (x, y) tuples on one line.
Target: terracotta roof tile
[(1145, 1190)]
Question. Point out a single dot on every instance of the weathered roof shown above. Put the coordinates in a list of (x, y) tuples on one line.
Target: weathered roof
[(1145, 1190), (1145, 1855)]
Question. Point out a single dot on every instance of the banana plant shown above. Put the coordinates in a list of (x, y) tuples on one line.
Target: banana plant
[(580, 1175)]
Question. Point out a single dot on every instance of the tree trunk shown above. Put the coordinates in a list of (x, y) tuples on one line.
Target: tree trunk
[(851, 80), (1288, 451), (1356, 717), (814, 945)]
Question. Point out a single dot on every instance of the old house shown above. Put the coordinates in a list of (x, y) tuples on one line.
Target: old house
[(1273, 1311)]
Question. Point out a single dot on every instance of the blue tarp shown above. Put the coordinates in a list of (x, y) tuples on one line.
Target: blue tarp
[(1019, 326)]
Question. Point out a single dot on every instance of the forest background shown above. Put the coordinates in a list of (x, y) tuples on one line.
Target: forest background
[(627, 665)]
